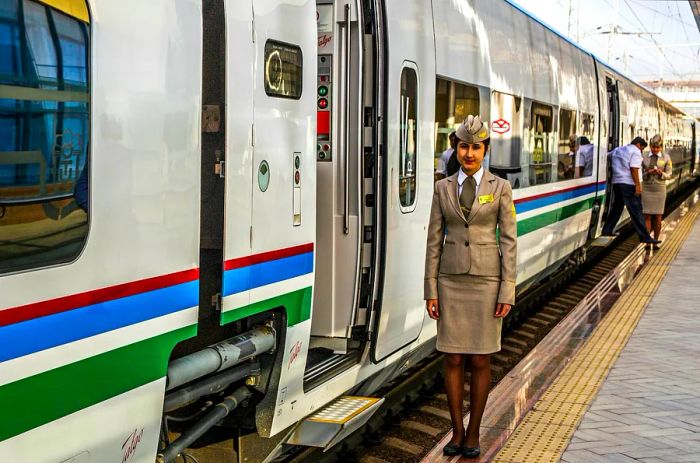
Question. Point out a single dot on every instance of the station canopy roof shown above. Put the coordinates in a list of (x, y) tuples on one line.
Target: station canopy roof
[(695, 7)]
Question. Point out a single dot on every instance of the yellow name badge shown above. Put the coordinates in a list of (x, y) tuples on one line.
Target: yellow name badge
[(483, 199)]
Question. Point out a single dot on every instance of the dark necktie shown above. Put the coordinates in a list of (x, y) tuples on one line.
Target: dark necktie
[(466, 198)]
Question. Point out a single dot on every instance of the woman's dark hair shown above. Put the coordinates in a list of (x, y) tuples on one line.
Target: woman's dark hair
[(453, 163)]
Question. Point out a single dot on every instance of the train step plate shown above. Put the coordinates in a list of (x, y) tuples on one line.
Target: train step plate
[(602, 241), (334, 422)]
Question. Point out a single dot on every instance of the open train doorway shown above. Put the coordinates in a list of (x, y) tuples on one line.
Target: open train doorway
[(693, 149), (344, 214), (613, 140)]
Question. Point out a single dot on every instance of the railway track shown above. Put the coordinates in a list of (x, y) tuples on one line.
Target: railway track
[(414, 417)]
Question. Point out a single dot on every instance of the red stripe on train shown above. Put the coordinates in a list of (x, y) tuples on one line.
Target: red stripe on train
[(66, 303), (556, 192), (268, 256)]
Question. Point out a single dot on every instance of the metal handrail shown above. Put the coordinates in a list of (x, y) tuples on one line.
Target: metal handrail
[(346, 123)]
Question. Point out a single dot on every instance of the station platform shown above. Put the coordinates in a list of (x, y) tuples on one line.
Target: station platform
[(618, 380)]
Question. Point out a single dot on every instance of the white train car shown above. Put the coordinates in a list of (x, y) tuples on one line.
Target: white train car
[(225, 202)]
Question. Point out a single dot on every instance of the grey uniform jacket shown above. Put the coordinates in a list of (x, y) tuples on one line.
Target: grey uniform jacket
[(664, 163), (459, 245)]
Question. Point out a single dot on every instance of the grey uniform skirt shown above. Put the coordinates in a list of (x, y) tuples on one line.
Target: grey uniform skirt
[(467, 305), (653, 198)]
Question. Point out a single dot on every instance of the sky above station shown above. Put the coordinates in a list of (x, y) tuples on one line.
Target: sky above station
[(652, 39)]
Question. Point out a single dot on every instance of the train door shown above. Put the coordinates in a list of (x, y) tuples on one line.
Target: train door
[(339, 160), (693, 149), (283, 158), (598, 131), (234, 164), (409, 117), (613, 141), (613, 114), (269, 209)]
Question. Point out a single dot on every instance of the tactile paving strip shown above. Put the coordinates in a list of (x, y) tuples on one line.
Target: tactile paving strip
[(343, 409), (546, 430)]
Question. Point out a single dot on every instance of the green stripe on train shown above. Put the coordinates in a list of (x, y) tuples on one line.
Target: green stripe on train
[(531, 224), (297, 305), (39, 399)]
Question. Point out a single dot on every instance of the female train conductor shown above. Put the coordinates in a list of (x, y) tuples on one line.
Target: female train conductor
[(470, 276)]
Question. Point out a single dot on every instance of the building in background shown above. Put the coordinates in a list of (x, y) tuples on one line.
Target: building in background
[(684, 94)]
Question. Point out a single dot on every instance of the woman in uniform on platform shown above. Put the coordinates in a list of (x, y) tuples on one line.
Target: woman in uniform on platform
[(470, 277), (657, 169)]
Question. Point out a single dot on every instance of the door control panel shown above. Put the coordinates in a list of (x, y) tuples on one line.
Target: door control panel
[(324, 150)]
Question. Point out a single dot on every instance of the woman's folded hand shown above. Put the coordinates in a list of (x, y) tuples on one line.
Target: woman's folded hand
[(431, 305)]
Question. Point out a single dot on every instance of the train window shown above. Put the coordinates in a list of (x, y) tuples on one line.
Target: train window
[(587, 125), (506, 137), (541, 140), (408, 137), (44, 133), (566, 155), (585, 149), (453, 103), (283, 70)]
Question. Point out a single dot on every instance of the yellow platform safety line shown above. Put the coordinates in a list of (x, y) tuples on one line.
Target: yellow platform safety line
[(546, 430), (75, 8)]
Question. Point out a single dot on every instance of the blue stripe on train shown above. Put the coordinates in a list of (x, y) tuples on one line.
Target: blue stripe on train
[(42, 333), (536, 203), (245, 278)]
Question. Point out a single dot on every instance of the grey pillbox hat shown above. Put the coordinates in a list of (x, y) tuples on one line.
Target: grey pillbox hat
[(472, 130)]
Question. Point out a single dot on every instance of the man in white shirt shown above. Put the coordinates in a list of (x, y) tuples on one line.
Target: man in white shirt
[(442, 171), (627, 189)]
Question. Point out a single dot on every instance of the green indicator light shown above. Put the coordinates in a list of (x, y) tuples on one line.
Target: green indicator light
[(322, 90)]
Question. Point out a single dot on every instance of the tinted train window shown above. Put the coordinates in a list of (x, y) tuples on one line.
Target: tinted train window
[(587, 125), (453, 103), (283, 70), (506, 137), (44, 133), (408, 137), (541, 141), (566, 154), (585, 148)]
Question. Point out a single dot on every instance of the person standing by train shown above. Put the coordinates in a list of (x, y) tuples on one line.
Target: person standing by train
[(657, 168), (627, 189), (444, 159), (584, 157), (470, 277)]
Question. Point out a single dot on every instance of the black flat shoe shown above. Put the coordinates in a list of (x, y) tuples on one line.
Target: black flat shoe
[(471, 452), (451, 450), (655, 248)]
